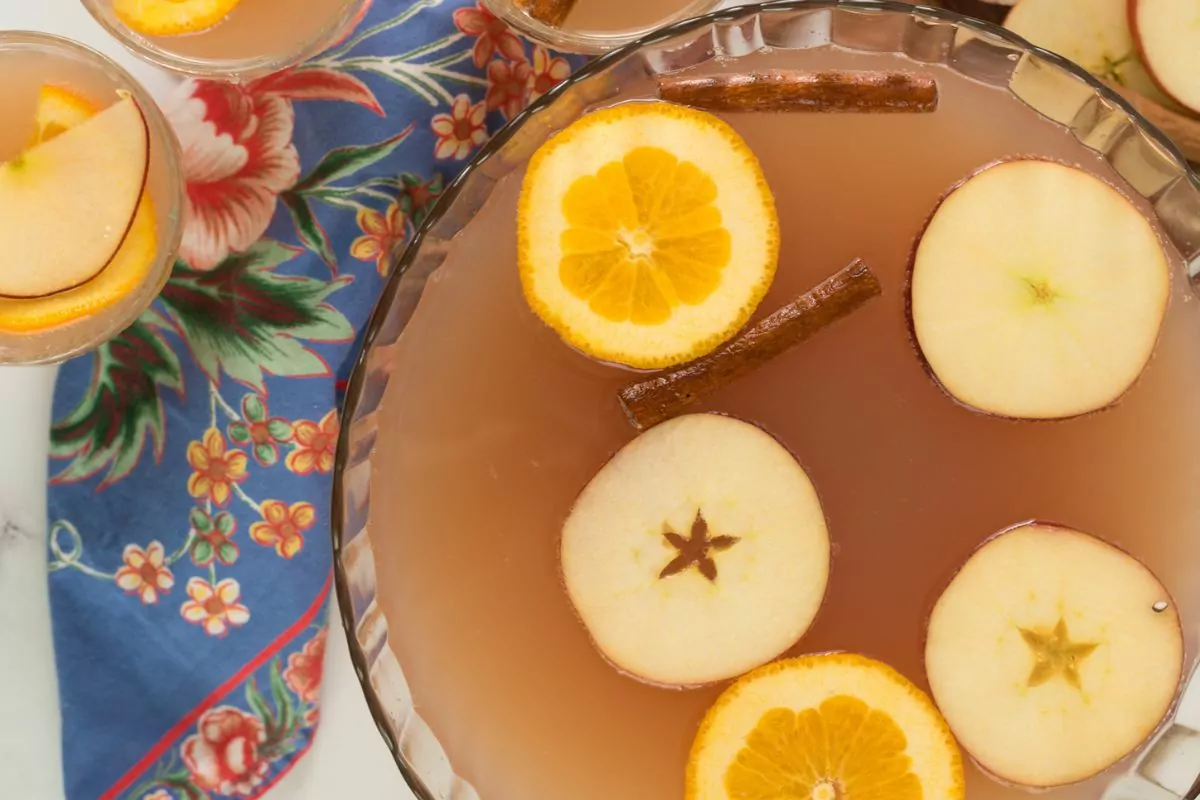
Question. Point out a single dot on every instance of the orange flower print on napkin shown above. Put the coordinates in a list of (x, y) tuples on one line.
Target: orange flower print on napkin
[(215, 607), (381, 234), (216, 469), (145, 572), (283, 526), (316, 444)]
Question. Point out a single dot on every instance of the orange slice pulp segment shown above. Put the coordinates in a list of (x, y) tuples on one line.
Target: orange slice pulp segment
[(646, 234), (59, 109), (824, 727), (172, 17)]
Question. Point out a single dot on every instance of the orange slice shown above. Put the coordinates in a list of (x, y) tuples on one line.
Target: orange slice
[(646, 234), (824, 727), (60, 109), (172, 17)]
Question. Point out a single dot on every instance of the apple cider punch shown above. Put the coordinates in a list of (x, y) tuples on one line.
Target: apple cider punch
[(91, 195), (236, 39), (815, 424)]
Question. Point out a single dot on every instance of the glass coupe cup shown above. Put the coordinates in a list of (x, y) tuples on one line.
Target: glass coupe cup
[(259, 37), (28, 60), (584, 40), (766, 36)]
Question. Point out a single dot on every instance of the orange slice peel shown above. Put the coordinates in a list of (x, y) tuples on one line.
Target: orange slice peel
[(824, 727), (172, 17), (647, 235)]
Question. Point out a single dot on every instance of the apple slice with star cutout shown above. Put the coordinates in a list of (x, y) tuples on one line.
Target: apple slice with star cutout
[(1053, 655), (1167, 33), (1037, 291), (87, 182), (697, 553)]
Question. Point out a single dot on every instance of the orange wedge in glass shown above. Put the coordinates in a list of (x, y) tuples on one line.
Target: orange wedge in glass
[(824, 727), (172, 17), (647, 235)]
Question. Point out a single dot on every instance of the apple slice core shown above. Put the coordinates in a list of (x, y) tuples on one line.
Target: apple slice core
[(68, 202), (1167, 33), (1053, 655), (1037, 291), (698, 552)]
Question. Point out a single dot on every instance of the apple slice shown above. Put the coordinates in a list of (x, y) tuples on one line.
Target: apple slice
[(1095, 34), (1053, 655), (697, 553), (1167, 33), (89, 181), (1037, 291)]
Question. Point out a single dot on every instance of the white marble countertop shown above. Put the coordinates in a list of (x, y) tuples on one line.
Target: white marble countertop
[(348, 758)]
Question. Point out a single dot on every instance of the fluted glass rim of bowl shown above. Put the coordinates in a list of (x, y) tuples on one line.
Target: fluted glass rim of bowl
[(1131, 144), (587, 42), (232, 70), (168, 217)]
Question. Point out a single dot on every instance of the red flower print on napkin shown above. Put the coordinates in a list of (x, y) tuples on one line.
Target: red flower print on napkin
[(508, 86), (238, 157), (306, 668), (304, 673), (223, 755), (492, 35)]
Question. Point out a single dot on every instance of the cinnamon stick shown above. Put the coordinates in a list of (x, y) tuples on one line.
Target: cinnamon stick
[(551, 12), (650, 401), (792, 90)]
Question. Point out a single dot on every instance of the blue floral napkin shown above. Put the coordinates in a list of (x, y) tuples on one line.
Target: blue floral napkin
[(192, 455)]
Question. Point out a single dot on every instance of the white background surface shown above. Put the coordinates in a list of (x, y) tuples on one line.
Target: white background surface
[(348, 760)]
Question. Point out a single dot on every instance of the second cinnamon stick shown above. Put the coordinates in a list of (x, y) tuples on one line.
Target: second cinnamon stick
[(663, 396), (792, 90)]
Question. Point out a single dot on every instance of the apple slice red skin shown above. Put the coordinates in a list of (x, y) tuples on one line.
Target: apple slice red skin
[(124, 235), (910, 323), (1057, 525), (1137, 42)]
